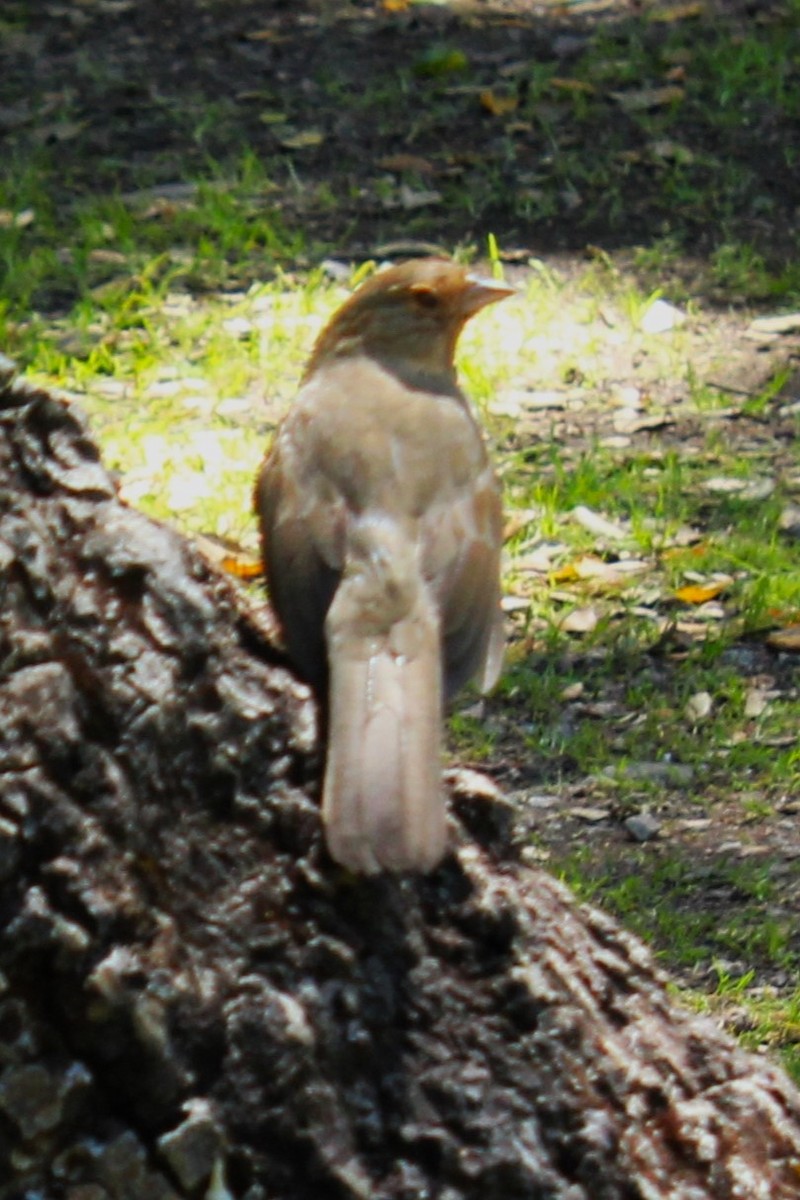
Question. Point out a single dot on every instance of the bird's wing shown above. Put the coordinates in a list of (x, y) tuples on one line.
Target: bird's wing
[(302, 546), (462, 540)]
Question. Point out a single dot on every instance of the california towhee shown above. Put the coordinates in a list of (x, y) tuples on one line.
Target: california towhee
[(381, 525)]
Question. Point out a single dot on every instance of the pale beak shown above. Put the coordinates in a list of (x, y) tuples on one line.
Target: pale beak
[(479, 292)]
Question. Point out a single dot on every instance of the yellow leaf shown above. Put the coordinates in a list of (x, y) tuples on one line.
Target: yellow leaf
[(678, 12), (303, 140), (785, 639), (242, 568), (562, 84), (391, 6), (699, 593), (566, 574), (497, 105)]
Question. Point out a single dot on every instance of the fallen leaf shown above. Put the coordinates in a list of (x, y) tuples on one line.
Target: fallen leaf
[(597, 524), (498, 104), (242, 568), (673, 151), (303, 140), (19, 220), (698, 707), (265, 35), (755, 702), (406, 162), (745, 489), (580, 620), (789, 520), (785, 639), (785, 323), (516, 403), (644, 98), (417, 197), (631, 421), (510, 604), (677, 12), (562, 84), (696, 593), (517, 521), (660, 317), (589, 814), (108, 257), (572, 692)]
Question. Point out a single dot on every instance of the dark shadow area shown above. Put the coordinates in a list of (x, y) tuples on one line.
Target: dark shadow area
[(354, 125)]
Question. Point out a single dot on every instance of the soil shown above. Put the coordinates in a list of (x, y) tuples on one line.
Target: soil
[(364, 113)]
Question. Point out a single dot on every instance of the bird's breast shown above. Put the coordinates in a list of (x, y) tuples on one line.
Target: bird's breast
[(382, 444)]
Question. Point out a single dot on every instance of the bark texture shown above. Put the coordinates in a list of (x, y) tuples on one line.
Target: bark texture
[(195, 1002)]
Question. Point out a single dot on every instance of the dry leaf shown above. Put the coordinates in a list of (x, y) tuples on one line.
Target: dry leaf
[(786, 323), (417, 197), (265, 35), (406, 162), (304, 140), (785, 639), (698, 707), (677, 12), (109, 257), (510, 604), (18, 220), (674, 151), (597, 524), (745, 489), (660, 317), (696, 593), (240, 565), (498, 105), (628, 420), (572, 692), (644, 98), (591, 815), (571, 85), (755, 702), (589, 567), (580, 620)]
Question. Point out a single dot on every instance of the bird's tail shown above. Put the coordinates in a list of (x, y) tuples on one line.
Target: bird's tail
[(383, 805)]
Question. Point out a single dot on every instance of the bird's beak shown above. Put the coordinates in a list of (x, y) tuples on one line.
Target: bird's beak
[(480, 292)]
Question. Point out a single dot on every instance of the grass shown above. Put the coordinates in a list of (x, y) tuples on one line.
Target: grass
[(180, 318)]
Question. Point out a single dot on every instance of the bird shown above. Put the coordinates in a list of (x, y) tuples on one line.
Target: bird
[(381, 525)]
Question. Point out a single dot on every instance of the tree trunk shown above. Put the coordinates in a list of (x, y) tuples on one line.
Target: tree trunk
[(195, 1002)]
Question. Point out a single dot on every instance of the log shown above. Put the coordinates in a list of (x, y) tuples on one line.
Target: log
[(194, 1001)]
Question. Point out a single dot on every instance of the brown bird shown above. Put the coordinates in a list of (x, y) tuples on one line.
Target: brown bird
[(381, 524)]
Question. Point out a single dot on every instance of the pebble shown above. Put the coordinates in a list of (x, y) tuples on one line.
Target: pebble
[(642, 827)]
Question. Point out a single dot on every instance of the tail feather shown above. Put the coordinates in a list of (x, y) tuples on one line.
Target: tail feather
[(383, 806)]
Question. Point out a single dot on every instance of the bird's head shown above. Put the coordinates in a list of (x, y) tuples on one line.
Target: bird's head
[(408, 317)]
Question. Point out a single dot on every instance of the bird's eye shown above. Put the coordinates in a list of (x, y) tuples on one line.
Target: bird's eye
[(425, 297)]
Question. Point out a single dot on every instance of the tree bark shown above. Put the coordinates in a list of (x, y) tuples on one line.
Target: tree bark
[(195, 1002)]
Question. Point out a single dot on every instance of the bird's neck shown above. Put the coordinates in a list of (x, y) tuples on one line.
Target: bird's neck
[(424, 366)]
